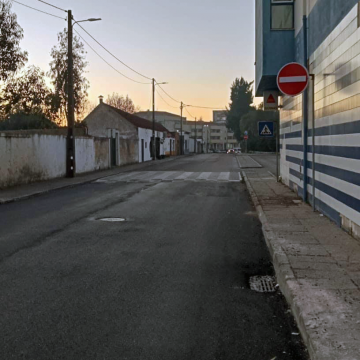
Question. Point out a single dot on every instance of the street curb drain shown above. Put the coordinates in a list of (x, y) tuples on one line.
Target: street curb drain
[(112, 219), (263, 284)]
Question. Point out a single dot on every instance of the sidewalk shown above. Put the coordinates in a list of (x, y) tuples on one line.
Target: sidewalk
[(317, 266), (22, 192)]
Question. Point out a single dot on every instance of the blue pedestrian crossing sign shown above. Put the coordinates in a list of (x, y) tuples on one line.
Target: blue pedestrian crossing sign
[(266, 128)]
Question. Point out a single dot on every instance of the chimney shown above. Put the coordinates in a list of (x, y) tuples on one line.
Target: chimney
[(101, 99)]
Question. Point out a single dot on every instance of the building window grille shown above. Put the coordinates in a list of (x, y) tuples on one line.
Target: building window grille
[(282, 14)]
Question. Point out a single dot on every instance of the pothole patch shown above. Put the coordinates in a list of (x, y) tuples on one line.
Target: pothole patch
[(263, 284), (113, 219)]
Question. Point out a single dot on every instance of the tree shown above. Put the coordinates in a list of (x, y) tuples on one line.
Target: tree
[(21, 121), (59, 76), (241, 100), (122, 103), (26, 93), (249, 123), (11, 57)]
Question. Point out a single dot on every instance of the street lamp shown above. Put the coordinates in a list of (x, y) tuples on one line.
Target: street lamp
[(154, 83), (70, 146)]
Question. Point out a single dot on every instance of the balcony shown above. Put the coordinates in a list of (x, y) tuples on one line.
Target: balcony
[(275, 43)]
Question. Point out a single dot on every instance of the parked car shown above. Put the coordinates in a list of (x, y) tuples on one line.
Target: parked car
[(237, 151)]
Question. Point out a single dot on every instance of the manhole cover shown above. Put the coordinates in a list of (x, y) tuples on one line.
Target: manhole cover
[(113, 219), (263, 283)]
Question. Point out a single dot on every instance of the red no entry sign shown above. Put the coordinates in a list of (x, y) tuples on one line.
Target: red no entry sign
[(293, 79)]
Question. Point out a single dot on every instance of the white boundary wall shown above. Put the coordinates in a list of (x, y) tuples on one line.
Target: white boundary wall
[(28, 158)]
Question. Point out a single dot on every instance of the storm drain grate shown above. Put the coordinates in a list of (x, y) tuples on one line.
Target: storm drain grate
[(263, 284), (113, 219)]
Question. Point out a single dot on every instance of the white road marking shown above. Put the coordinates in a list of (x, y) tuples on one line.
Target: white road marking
[(146, 175), (153, 176), (204, 176), (184, 176), (224, 176)]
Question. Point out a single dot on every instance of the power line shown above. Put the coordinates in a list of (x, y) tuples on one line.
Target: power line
[(53, 6), (168, 94), (38, 10), (175, 107), (194, 106), (114, 55), (108, 62), (189, 113), (204, 107)]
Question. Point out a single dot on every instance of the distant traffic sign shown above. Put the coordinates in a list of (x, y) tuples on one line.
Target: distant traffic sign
[(246, 137), (266, 128), (246, 133), (293, 79)]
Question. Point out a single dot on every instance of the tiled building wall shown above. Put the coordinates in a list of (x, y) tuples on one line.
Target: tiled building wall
[(336, 66)]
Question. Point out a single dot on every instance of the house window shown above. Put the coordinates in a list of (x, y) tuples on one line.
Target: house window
[(282, 14)]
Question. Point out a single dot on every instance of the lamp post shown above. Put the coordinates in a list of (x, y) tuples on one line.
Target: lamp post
[(70, 141), (154, 83)]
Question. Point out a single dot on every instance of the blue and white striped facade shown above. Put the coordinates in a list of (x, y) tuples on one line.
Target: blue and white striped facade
[(334, 99)]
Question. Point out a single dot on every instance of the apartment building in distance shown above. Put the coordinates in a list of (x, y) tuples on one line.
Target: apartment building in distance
[(212, 135)]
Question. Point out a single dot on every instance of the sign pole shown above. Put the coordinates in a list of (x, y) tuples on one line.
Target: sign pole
[(277, 149)]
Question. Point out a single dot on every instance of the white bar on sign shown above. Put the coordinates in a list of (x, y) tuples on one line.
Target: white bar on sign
[(290, 79)]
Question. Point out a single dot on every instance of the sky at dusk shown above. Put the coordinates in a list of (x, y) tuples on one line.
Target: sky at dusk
[(198, 46)]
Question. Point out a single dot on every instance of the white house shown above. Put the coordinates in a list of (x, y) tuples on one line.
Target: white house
[(131, 135)]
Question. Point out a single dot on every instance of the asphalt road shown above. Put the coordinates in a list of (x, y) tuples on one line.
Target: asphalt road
[(171, 282)]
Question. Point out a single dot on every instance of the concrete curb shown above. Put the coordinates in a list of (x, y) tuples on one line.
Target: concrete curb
[(284, 274), (83, 182)]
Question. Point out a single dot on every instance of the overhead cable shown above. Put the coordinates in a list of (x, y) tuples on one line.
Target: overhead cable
[(205, 107), (15, 1), (146, 77), (143, 83), (189, 113), (168, 94), (52, 5), (175, 107)]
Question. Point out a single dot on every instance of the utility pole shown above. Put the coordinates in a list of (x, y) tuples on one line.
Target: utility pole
[(181, 130), (153, 120), (70, 141), (208, 137), (195, 138)]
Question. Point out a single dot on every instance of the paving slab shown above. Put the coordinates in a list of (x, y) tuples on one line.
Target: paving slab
[(317, 266)]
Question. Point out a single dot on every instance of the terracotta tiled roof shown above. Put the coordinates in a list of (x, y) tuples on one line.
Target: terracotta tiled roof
[(138, 121)]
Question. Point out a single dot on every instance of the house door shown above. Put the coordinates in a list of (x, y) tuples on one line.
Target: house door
[(142, 151), (113, 151), (157, 148)]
